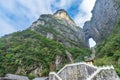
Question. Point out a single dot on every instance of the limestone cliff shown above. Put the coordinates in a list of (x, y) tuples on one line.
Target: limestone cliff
[(62, 14), (104, 17)]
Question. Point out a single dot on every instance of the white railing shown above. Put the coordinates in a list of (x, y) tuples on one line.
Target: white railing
[(98, 70), (54, 76), (75, 64)]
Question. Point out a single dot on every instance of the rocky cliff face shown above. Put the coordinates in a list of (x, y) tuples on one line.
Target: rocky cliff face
[(59, 27), (62, 14), (104, 18)]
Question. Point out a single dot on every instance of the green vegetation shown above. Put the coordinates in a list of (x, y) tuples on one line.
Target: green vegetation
[(24, 52), (108, 52)]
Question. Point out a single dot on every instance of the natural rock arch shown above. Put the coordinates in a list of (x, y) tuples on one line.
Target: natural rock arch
[(89, 40)]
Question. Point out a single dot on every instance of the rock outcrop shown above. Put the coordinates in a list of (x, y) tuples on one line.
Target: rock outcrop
[(63, 15), (104, 17), (16, 77)]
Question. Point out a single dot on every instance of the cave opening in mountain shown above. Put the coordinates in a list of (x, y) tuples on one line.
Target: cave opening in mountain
[(92, 43)]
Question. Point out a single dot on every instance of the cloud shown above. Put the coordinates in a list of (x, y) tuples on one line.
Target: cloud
[(36, 7), (84, 13), (87, 5), (19, 14), (63, 4), (6, 28)]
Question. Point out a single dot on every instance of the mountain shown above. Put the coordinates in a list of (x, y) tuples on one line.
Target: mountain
[(60, 27), (104, 28), (47, 45)]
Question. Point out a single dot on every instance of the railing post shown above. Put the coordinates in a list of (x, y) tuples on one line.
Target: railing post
[(50, 76)]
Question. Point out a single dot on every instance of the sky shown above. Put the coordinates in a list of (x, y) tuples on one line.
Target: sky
[(17, 15)]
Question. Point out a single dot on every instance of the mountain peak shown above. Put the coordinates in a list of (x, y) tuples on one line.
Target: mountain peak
[(62, 14)]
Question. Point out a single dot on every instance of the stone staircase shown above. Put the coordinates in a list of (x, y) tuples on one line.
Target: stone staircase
[(84, 71), (98, 70)]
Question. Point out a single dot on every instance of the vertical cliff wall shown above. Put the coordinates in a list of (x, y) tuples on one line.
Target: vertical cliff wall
[(104, 17)]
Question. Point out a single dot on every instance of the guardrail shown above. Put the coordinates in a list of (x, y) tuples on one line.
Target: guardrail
[(54, 76), (98, 70)]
